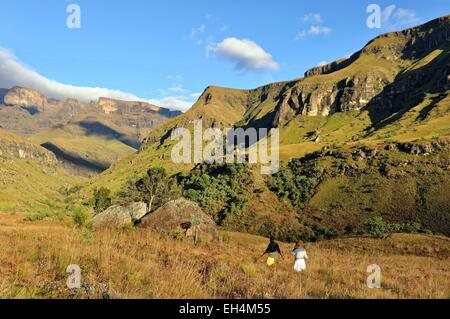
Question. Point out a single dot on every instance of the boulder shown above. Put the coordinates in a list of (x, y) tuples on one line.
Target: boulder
[(182, 218), (117, 216)]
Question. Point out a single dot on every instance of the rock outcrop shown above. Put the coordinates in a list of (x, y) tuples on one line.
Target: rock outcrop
[(182, 218), (26, 111), (119, 216), (18, 148), (329, 67), (26, 98), (313, 99)]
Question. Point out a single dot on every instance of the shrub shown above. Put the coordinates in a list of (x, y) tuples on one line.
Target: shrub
[(412, 228), (155, 189), (37, 216), (323, 233), (296, 188), (177, 234), (219, 189), (101, 200), (79, 216), (377, 227), (349, 229)]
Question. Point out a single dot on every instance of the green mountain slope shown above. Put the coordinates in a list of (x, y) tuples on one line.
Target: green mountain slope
[(355, 100), (87, 138), (88, 145), (389, 99), (30, 176)]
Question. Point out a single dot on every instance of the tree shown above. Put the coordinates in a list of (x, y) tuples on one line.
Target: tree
[(156, 188), (376, 227), (102, 199), (296, 188)]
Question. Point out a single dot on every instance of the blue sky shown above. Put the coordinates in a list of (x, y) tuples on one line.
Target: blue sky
[(169, 51)]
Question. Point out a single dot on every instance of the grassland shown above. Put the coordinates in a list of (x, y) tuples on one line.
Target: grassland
[(25, 186), (136, 263), (87, 149), (30, 177)]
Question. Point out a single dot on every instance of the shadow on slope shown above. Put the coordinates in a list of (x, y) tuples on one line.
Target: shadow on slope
[(408, 90), (100, 129), (75, 160)]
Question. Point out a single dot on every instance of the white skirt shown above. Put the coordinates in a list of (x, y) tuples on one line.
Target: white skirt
[(300, 265)]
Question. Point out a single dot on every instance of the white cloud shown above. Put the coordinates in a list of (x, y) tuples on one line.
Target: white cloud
[(176, 94), (199, 30), (319, 30), (246, 54), (224, 28), (195, 95), (177, 89), (315, 21), (312, 18), (180, 103), (313, 30), (175, 77), (394, 18), (15, 73)]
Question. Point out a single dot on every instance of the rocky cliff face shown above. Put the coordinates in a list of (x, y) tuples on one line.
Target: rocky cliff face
[(329, 68), (109, 106), (407, 44), (26, 98), (389, 70), (12, 147), (349, 94), (25, 111), (34, 102)]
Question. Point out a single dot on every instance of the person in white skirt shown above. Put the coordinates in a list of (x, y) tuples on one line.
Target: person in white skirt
[(300, 255)]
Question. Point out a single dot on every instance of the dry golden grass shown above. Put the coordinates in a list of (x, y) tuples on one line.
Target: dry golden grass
[(136, 263)]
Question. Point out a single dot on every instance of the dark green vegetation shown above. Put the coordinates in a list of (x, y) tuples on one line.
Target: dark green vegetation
[(155, 189), (101, 199), (221, 190), (379, 228)]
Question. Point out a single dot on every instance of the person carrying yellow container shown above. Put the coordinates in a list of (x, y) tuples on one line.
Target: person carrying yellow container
[(273, 251)]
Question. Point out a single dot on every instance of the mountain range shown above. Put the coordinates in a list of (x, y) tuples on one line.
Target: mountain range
[(87, 138), (372, 131)]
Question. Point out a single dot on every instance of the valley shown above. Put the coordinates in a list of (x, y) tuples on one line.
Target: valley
[(364, 177)]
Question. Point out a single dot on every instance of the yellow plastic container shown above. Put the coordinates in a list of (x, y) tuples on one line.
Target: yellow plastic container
[(271, 261)]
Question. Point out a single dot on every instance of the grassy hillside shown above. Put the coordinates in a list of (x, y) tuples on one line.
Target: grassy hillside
[(88, 145), (30, 178), (392, 92), (390, 180), (130, 264)]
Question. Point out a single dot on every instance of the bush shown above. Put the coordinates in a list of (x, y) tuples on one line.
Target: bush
[(323, 233), (377, 227), (412, 228), (155, 189), (296, 188), (79, 216), (219, 189), (37, 216), (101, 200), (349, 229)]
